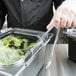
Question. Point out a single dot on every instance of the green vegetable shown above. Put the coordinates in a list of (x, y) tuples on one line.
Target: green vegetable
[(32, 45), (15, 47)]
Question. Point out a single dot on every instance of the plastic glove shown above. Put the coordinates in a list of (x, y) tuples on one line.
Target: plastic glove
[(65, 15)]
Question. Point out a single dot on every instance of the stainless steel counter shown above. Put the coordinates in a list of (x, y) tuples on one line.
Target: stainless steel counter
[(61, 65)]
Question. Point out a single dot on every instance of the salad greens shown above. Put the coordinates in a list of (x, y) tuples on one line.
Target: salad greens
[(13, 48)]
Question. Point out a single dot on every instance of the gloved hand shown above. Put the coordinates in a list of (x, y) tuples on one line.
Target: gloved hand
[(65, 15)]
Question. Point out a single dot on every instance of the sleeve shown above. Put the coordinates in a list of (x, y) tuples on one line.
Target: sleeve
[(57, 3), (3, 12)]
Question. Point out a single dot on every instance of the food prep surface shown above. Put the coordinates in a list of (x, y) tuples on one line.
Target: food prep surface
[(64, 66)]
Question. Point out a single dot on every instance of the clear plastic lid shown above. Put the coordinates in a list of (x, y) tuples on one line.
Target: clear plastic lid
[(71, 32)]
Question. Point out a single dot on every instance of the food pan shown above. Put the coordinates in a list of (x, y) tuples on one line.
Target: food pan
[(40, 40)]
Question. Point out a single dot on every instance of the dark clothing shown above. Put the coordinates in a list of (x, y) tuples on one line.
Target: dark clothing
[(31, 14)]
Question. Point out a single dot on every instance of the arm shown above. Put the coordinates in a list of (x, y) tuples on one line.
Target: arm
[(3, 12)]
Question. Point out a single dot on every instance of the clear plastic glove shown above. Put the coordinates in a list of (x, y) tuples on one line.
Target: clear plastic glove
[(65, 15)]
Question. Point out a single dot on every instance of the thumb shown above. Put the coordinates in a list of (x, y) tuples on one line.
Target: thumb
[(54, 22), (51, 24)]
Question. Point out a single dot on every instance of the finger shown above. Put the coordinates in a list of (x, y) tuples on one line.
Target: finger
[(51, 24), (55, 20), (69, 24), (70, 19), (63, 22), (54, 23), (74, 22)]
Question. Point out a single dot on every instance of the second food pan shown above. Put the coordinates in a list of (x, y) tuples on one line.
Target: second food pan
[(71, 35)]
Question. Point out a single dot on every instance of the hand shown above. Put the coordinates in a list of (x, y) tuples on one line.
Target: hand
[(65, 16)]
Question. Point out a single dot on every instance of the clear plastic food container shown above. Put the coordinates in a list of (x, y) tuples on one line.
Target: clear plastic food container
[(34, 55)]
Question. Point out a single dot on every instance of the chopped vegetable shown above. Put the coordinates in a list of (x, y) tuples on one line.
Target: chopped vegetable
[(13, 48)]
